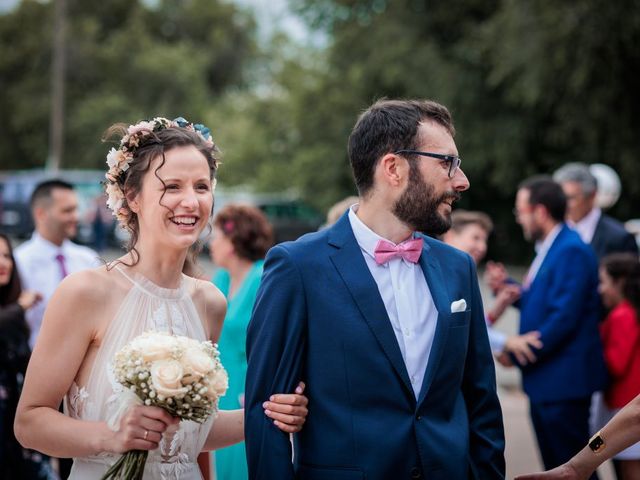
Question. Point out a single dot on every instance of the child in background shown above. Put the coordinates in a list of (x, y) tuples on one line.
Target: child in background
[(620, 291)]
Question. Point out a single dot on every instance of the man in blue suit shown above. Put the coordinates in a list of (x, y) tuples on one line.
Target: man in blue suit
[(560, 300), (384, 324)]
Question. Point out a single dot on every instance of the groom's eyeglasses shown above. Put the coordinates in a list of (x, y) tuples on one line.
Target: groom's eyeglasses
[(453, 160)]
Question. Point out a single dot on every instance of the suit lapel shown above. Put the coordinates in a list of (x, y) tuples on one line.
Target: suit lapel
[(548, 258), (598, 239), (351, 266), (437, 286)]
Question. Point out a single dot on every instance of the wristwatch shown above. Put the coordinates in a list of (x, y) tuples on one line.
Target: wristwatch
[(596, 443)]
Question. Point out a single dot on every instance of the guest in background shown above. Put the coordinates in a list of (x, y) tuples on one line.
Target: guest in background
[(241, 237), (620, 291), (470, 232), (560, 300), (50, 255), (15, 461), (605, 234), (101, 221)]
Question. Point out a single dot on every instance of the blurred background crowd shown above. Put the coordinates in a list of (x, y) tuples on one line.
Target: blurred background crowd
[(534, 87)]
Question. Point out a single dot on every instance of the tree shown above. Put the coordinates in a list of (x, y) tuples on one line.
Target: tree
[(531, 86), (126, 61)]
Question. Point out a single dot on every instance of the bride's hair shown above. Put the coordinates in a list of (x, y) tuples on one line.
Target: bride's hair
[(136, 154)]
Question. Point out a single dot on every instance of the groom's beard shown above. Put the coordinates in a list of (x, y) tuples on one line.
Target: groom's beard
[(418, 206)]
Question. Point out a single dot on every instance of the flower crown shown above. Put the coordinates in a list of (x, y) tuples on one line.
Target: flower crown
[(120, 159)]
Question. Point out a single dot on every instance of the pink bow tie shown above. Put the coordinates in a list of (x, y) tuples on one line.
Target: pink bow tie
[(410, 250)]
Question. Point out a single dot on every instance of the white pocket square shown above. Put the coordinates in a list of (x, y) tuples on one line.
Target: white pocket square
[(458, 306)]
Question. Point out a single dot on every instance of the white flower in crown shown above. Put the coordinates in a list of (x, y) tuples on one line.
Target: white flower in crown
[(117, 161), (115, 197)]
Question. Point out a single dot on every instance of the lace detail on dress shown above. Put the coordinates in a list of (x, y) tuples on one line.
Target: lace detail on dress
[(75, 400), (167, 318), (145, 307)]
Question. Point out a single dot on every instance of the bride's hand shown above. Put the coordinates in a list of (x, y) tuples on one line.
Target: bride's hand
[(288, 411), (141, 428)]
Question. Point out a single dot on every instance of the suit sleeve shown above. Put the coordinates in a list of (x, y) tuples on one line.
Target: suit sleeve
[(276, 341), (572, 286), (486, 431)]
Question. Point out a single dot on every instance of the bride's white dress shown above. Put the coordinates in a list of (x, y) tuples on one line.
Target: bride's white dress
[(145, 307)]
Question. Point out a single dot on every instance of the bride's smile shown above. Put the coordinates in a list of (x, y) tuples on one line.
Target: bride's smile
[(175, 204)]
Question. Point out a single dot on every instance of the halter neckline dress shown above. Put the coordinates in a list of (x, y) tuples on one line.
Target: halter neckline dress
[(145, 307)]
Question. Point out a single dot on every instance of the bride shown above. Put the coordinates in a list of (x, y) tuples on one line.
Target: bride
[(160, 185)]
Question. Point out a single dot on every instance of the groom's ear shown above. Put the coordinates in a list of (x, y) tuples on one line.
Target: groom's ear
[(392, 169)]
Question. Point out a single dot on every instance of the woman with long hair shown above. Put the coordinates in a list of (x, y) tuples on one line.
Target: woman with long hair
[(160, 186), (15, 461)]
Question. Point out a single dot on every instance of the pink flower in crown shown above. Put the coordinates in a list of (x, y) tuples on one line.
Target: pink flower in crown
[(140, 127)]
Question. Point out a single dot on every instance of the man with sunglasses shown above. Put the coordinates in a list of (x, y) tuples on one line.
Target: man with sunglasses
[(384, 323)]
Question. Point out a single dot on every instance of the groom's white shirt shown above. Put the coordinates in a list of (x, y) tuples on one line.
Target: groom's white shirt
[(406, 298)]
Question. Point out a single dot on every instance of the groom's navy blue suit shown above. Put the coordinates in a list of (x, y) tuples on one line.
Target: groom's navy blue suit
[(320, 318)]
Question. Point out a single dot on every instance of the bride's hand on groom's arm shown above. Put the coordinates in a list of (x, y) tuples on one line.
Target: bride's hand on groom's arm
[(288, 411)]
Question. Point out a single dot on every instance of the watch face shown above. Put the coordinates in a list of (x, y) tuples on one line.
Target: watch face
[(596, 443)]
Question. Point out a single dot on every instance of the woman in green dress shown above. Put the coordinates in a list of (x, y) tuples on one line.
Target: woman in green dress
[(241, 237)]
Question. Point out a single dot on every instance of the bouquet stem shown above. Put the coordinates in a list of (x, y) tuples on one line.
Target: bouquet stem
[(129, 466)]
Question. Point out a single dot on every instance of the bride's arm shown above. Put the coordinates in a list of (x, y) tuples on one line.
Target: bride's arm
[(68, 328), (288, 412)]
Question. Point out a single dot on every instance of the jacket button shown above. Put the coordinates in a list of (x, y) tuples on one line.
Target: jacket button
[(418, 417), (415, 473)]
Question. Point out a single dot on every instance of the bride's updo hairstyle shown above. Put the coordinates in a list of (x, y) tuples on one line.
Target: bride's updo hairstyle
[(140, 144)]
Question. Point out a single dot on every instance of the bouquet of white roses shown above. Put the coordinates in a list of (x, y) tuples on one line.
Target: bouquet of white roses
[(181, 375)]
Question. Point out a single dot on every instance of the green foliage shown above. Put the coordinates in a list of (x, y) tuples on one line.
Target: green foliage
[(531, 85), (125, 61)]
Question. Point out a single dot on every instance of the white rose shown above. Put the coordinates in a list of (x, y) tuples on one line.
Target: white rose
[(218, 384), (197, 363), (166, 378), (113, 158), (154, 347)]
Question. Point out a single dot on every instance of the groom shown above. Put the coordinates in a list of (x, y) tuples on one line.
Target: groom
[(383, 323)]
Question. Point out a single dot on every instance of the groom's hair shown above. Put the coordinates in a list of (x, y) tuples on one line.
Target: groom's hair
[(388, 126)]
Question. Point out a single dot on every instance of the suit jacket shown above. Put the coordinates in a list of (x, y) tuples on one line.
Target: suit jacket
[(562, 303), (610, 236), (319, 318)]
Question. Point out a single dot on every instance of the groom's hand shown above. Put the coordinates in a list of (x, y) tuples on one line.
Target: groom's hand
[(288, 411)]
